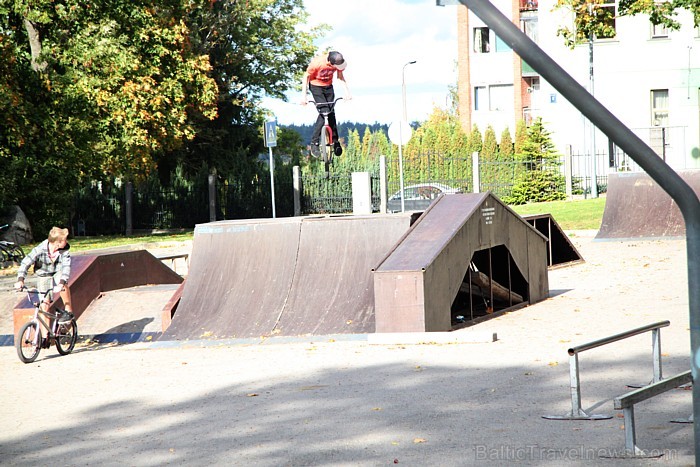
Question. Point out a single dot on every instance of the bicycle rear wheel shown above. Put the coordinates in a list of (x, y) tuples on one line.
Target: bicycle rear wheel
[(326, 147), (28, 342), (67, 337), (16, 254)]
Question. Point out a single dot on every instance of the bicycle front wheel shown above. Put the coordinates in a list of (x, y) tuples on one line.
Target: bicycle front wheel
[(5, 259), (67, 337), (28, 342)]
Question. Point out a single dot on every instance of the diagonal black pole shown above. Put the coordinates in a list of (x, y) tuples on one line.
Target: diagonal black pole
[(642, 154)]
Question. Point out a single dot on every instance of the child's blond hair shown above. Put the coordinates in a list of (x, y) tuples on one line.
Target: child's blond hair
[(57, 234)]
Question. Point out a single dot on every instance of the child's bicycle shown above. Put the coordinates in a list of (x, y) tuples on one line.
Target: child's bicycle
[(10, 252), (326, 143), (62, 330)]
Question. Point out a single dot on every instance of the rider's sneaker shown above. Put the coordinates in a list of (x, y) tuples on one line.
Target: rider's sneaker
[(315, 151), (337, 149), (66, 317)]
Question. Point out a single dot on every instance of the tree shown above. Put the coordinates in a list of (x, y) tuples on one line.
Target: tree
[(255, 48), (592, 20), (94, 87), (541, 179), (661, 12)]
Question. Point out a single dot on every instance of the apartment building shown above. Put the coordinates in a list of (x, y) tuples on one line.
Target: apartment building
[(647, 76)]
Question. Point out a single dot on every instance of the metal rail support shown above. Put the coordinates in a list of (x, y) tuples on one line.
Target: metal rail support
[(577, 413), (173, 258), (626, 403)]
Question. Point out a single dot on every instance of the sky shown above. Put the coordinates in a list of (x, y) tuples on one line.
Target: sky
[(377, 38)]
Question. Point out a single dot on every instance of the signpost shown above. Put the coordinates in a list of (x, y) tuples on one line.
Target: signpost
[(270, 135), (399, 134)]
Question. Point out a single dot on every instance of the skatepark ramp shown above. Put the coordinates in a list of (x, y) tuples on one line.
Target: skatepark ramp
[(636, 207), (468, 254), (94, 274), (290, 276), (560, 250)]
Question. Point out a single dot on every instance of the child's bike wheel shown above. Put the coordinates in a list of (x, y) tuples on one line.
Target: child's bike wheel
[(67, 337), (28, 342)]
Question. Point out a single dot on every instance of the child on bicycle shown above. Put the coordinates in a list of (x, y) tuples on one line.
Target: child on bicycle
[(51, 261), (318, 79)]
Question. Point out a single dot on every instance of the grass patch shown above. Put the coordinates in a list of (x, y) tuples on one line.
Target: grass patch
[(583, 214), (107, 241)]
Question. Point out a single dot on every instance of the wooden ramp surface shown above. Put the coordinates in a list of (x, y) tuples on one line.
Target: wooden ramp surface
[(289, 276), (637, 207)]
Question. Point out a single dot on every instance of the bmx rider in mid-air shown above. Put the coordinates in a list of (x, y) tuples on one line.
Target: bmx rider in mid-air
[(318, 79)]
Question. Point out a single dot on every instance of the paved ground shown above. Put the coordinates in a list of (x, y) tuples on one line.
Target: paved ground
[(330, 401)]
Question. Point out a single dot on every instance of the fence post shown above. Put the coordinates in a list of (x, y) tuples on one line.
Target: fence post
[(128, 192), (296, 184), (567, 172), (212, 197), (475, 173), (382, 184)]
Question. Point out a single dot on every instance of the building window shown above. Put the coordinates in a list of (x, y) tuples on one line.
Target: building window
[(481, 40), (500, 97), (529, 26), (480, 100), (659, 107), (658, 31), (502, 46), (533, 84), (606, 12)]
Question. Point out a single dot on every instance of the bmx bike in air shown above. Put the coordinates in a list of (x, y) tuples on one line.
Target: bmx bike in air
[(326, 144)]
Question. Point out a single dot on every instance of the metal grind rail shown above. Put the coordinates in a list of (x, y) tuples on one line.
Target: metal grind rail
[(577, 413), (626, 403)]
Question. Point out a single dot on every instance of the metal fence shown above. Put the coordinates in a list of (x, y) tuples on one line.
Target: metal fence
[(101, 210)]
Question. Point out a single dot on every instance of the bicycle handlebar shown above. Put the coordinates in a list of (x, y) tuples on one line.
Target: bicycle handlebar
[(321, 104)]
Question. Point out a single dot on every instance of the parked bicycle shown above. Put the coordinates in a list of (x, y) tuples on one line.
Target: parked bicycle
[(61, 330), (10, 252), (326, 143)]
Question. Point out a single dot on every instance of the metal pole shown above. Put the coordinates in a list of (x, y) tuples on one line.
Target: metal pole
[(641, 153), (405, 119), (272, 182), (594, 188), (403, 206), (575, 383), (656, 354), (296, 183)]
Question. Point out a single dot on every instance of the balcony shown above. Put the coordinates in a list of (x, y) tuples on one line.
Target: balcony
[(528, 5)]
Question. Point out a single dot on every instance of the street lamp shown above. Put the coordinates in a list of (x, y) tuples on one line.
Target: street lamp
[(403, 87), (401, 123)]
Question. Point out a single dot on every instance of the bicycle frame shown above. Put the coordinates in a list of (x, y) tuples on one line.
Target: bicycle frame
[(326, 138), (50, 330)]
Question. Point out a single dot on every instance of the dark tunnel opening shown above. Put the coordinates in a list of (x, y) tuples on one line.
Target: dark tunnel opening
[(492, 284)]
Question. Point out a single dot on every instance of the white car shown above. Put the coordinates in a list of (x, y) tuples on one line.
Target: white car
[(418, 197)]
